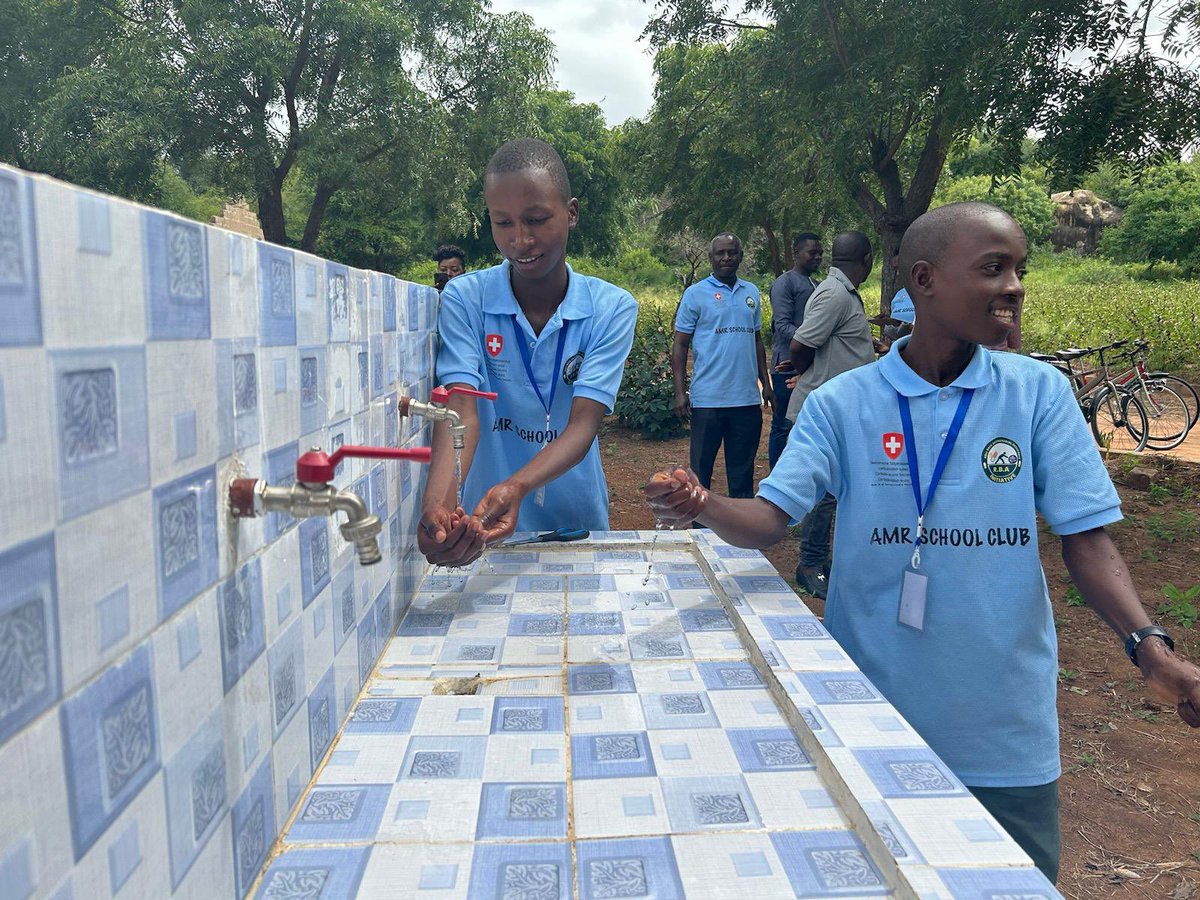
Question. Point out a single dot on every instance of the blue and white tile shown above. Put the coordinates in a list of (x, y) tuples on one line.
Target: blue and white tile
[(444, 757), (279, 470), (431, 811), (312, 314), (605, 713), (870, 725), (237, 539), (211, 875), (99, 412), (187, 671), (291, 764), (719, 645), (285, 663), (956, 831), (483, 652), (27, 481), (314, 397), (449, 715), (340, 382), (794, 800), (902, 847), (279, 394), (328, 872), (532, 651), (730, 676), (197, 794), (628, 868), (247, 714), (21, 319), (680, 708), (315, 557), (619, 807), (31, 620), (277, 295), (111, 743), (107, 588), (441, 872), (730, 865), (254, 827), (828, 864), (339, 813), (599, 648), (178, 304), (710, 803), (238, 390), (522, 811), (909, 772), (323, 721), (241, 615), (185, 538), (981, 884), (521, 870), (360, 377), (692, 753), (36, 834), (83, 269), (233, 268), (181, 382), (132, 855), (527, 757)]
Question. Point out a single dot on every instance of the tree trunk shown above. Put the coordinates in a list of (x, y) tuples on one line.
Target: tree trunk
[(270, 213), (316, 215), (773, 246)]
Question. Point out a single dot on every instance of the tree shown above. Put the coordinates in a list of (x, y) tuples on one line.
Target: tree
[(1162, 221), (890, 86), (350, 91), (717, 149), (1024, 200), (84, 97)]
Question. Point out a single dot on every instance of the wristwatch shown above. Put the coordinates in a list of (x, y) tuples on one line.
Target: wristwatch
[(1135, 639)]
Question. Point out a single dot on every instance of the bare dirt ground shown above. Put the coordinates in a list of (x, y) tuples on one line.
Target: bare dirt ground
[(1131, 783)]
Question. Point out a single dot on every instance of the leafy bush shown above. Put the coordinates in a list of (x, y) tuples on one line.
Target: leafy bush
[(1162, 221), (1026, 201), (647, 398)]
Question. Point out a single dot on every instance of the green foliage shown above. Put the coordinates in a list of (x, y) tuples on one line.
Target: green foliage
[(175, 194), (1026, 201), (1179, 604), (647, 397), (1074, 598), (1162, 219)]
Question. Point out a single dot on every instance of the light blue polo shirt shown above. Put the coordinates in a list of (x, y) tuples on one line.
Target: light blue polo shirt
[(480, 323), (902, 306), (978, 683), (722, 322)]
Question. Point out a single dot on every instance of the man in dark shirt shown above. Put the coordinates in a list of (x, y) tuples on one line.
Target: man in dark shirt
[(789, 293)]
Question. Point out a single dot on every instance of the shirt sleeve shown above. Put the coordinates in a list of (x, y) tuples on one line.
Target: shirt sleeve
[(822, 314), (688, 313), (604, 359), (1072, 489), (460, 357), (783, 307), (810, 466)]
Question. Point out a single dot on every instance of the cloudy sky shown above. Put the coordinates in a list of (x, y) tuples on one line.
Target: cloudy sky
[(600, 58)]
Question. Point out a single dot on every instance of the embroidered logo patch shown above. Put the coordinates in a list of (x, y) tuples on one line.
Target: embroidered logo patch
[(1001, 460), (570, 372), (494, 344), (718, 296), (893, 443), (750, 302)]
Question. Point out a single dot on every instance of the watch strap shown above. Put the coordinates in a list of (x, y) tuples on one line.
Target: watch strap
[(1132, 642)]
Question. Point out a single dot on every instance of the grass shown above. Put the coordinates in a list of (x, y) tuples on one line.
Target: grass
[(1072, 301)]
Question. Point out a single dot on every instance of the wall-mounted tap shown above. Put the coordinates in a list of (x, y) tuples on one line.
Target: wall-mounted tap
[(438, 410), (313, 494)]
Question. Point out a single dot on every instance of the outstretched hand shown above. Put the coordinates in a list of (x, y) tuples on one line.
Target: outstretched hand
[(676, 498), (449, 538), (1171, 679), (498, 510)]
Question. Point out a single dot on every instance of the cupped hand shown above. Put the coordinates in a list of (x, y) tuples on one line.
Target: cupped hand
[(449, 538), (1171, 679), (676, 498), (498, 510)]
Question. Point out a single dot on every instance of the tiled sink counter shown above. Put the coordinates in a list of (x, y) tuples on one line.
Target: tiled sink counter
[(698, 735)]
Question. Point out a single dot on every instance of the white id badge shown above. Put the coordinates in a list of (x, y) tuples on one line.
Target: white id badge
[(912, 599)]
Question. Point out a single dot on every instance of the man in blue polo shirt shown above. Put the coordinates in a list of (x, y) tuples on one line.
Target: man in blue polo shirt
[(552, 343), (720, 320), (941, 455)]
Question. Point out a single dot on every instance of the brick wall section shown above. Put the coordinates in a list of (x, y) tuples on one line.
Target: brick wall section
[(239, 217)]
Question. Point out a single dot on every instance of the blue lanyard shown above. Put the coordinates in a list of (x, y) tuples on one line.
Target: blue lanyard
[(554, 375), (914, 471)]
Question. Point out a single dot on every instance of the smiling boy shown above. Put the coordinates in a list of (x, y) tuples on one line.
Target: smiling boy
[(943, 439), (552, 343)]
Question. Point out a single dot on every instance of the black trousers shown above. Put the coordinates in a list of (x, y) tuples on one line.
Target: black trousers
[(1030, 816), (781, 427), (740, 428)]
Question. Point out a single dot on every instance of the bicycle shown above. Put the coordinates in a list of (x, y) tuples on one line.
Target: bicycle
[(1107, 408)]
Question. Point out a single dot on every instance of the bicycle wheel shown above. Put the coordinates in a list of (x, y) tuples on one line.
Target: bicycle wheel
[(1167, 417), (1110, 415), (1184, 390)]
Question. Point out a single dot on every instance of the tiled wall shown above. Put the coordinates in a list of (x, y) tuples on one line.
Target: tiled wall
[(169, 677)]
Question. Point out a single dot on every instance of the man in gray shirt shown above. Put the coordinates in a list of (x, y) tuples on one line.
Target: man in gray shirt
[(789, 293), (835, 337)]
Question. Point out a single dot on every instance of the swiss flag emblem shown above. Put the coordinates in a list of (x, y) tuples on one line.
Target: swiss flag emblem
[(494, 344), (893, 443)]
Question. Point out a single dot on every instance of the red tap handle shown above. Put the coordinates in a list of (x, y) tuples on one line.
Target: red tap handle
[(317, 466), (442, 394)]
